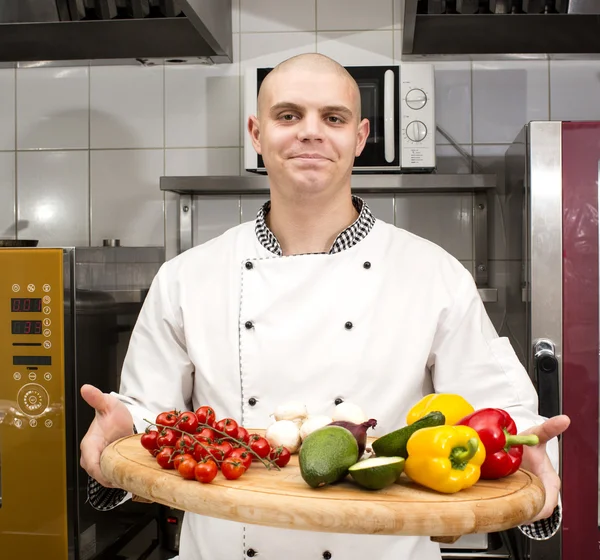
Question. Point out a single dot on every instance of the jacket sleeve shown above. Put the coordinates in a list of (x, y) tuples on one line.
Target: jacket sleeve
[(469, 358), (157, 373)]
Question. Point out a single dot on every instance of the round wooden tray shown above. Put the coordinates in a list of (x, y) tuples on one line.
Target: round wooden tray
[(282, 499)]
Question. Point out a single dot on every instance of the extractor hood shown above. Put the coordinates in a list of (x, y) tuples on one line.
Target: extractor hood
[(475, 29), (56, 32)]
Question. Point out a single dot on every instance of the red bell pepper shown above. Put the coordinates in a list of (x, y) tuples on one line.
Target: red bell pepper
[(503, 447)]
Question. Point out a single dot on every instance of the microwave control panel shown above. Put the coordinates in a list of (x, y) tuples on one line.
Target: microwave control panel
[(417, 114)]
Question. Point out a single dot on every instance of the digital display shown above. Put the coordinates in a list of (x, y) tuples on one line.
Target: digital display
[(32, 361), (26, 305), (26, 327)]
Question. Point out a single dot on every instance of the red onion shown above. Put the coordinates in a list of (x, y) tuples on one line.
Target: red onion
[(359, 431)]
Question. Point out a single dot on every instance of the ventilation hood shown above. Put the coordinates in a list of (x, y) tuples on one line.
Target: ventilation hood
[(476, 29), (71, 32)]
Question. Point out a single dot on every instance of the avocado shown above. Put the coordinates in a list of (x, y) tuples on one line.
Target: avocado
[(377, 472), (326, 454), (394, 443)]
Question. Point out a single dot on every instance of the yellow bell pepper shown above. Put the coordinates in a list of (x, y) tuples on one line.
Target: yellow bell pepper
[(453, 407), (445, 458)]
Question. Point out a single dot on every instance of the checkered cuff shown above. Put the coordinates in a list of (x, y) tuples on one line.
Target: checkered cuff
[(544, 529)]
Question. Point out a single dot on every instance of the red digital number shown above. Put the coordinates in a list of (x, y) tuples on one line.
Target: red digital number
[(27, 327), (38, 327), (16, 305), (26, 305)]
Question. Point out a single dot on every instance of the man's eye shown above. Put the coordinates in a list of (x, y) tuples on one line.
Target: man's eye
[(335, 120), (288, 117)]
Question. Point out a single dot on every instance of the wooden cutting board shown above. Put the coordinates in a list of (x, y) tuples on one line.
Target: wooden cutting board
[(282, 499)]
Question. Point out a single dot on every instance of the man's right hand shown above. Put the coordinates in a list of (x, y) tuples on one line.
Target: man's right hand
[(113, 421)]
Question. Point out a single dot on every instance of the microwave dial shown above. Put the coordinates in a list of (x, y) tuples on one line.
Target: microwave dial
[(416, 131), (416, 99)]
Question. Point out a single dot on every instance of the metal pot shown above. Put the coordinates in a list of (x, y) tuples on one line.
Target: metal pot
[(18, 242)]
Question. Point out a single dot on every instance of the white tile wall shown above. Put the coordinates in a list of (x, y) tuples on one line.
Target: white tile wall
[(111, 132), (53, 108), (52, 197), (7, 195), (7, 109)]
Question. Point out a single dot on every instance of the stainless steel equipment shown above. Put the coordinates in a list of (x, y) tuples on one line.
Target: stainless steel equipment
[(65, 319), (62, 32), (551, 224)]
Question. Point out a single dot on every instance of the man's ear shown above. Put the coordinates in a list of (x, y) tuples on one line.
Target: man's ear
[(364, 128), (254, 130)]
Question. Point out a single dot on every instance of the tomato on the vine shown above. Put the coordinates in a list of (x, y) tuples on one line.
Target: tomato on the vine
[(205, 471), (187, 468), (228, 426), (260, 445), (168, 419), (167, 437), (179, 457), (164, 458), (210, 451), (280, 455), (206, 434), (232, 469), (242, 455), (242, 434), (188, 422), (206, 415), (225, 446), (185, 442), (149, 440)]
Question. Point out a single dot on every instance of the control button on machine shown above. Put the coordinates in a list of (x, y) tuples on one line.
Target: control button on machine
[(18, 422), (31, 288), (46, 310), (47, 344), (32, 376), (16, 376), (33, 399), (46, 287), (33, 422), (46, 299), (416, 99), (16, 287), (47, 332), (48, 376), (48, 423), (47, 322)]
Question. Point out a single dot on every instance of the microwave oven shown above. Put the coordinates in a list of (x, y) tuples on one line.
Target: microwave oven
[(399, 103)]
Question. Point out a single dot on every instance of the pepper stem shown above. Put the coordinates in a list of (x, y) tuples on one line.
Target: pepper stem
[(530, 439), (460, 456)]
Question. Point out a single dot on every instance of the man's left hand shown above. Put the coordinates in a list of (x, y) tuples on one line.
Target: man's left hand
[(536, 460)]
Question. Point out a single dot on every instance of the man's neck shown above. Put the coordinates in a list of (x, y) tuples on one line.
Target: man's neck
[(310, 225)]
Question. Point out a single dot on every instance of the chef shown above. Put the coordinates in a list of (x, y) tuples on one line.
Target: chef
[(317, 301)]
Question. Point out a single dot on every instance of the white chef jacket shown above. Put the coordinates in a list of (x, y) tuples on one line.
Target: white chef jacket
[(381, 324)]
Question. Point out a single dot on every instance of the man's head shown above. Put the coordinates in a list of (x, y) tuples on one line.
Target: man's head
[(308, 128)]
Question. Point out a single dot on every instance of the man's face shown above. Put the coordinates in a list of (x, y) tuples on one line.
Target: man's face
[(308, 131)]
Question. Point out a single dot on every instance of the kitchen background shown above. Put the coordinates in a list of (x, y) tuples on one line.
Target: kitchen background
[(82, 148)]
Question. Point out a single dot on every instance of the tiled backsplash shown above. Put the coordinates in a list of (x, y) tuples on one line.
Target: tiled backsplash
[(82, 148)]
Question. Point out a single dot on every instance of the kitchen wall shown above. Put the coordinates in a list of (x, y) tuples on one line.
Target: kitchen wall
[(82, 148)]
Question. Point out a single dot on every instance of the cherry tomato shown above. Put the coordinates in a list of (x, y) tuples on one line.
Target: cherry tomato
[(280, 455), (188, 422), (228, 426), (260, 445), (242, 434), (205, 471), (179, 456), (167, 418), (148, 440), (210, 451), (206, 434), (232, 469), (187, 468), (206, 415), (225, 446), (167, 437), (242, 455), (185, 442), (164, 458)]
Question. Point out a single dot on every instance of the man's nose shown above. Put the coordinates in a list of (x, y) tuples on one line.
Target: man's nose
[(311, 127)]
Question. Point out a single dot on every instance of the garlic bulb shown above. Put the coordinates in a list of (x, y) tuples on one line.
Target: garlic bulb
[(313, 423), (294, 410), (286, 433), (349, 412)]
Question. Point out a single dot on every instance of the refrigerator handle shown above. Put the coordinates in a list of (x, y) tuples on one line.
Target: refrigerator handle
[(547, 375)]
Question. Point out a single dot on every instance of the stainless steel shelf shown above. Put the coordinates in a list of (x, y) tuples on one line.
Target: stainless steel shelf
[(361, 184)]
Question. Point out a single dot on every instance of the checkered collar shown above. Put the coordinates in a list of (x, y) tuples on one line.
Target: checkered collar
[(346, 239)]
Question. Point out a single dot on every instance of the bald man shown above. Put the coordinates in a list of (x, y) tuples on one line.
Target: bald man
[(316, 300)]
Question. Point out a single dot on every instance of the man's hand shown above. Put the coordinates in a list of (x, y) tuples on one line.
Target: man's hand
[(536, 460), (113, 421)]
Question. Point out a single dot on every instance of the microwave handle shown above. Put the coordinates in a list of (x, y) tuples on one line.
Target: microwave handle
[(388, 117)]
